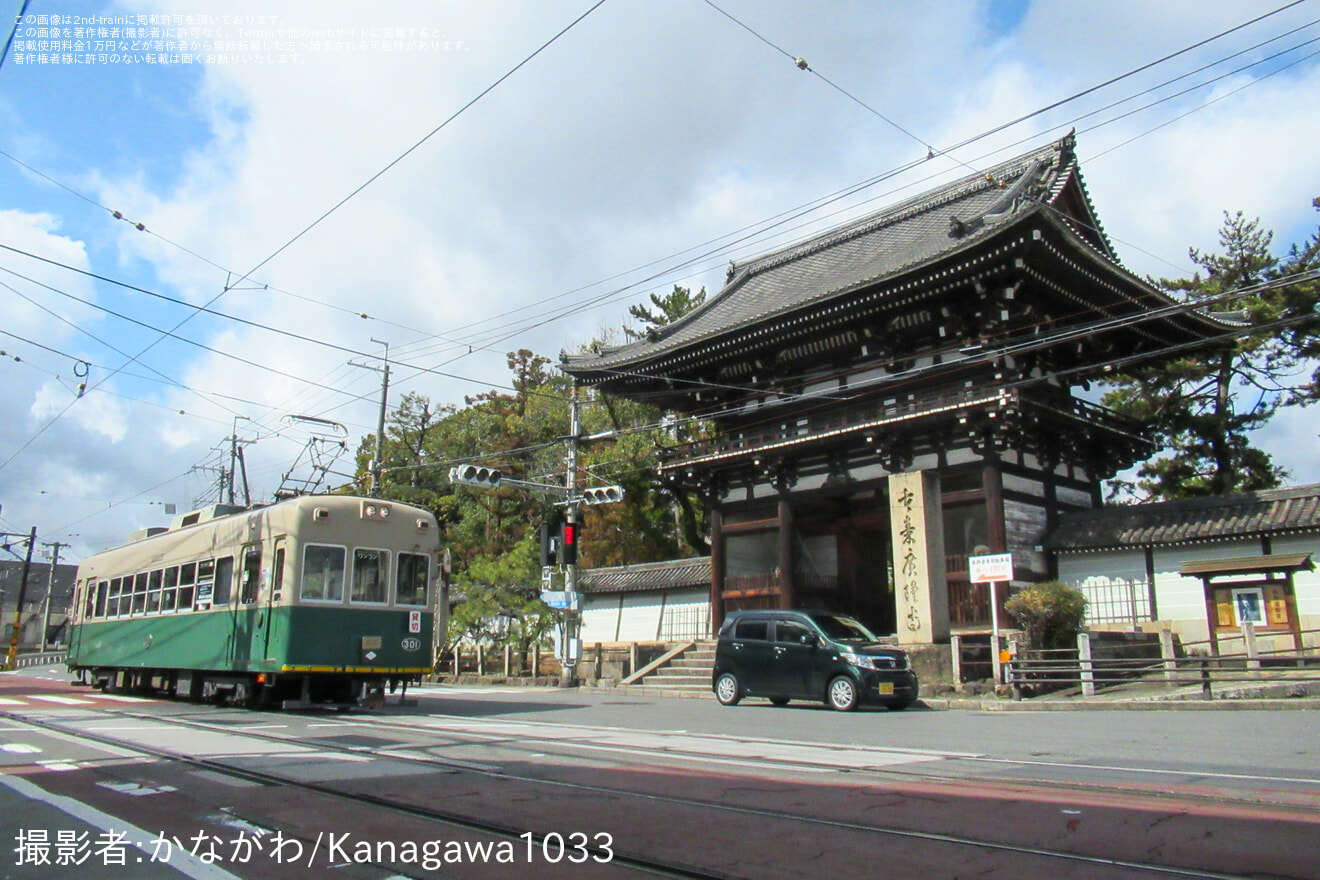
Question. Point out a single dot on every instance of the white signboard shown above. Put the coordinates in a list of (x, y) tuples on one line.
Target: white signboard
[(990, 569), (414, 621)]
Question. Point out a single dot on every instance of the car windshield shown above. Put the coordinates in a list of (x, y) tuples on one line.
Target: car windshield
[(843, 629)]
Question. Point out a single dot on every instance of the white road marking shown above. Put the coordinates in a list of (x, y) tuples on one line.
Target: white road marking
[(57, 765), (134, 790), (63, 701), (6, 701), (20, 749), (697, 747)]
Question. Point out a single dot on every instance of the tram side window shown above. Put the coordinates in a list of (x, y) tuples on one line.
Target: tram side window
[(323, 574), (205, 583), (102, 594), (112, 606), (251, 588), (224, 581), (414, 568), (371, 570), (187, 578), (89, 598), (170, 594), (277, 588), (139, 593), (153, 592)]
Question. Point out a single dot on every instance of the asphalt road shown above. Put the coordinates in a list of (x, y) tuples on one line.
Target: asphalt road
[(1227, 793)]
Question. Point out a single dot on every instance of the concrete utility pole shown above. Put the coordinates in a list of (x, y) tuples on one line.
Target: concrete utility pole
[(569, 601), (50, 589), (22, 597), (377, 466), (236, 458), (572, 646)]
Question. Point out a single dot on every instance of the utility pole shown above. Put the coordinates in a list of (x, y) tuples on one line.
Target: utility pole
[(22, 597), (50, 589), (568, 600), (377, 466), (236, 456), (572, 646)]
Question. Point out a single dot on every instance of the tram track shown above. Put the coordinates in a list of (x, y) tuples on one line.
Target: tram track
[(638, 861)]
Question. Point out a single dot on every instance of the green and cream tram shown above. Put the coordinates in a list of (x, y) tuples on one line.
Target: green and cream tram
[(315, 599)]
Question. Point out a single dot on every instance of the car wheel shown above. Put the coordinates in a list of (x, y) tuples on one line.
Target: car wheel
[(779, 701), (896, 707), (728, 690), (842, 694)]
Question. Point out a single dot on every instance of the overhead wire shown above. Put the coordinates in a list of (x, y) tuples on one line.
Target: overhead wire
[(171, 333), (1166, 56)]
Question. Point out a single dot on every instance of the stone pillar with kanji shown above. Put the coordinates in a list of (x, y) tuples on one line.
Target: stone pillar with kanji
[(921, 589)]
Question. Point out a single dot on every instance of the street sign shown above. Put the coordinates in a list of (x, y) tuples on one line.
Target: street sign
[(562, 599), (990, 569)]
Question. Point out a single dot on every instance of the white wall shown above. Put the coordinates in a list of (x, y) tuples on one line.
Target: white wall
[(1181, 600), (636, 617)]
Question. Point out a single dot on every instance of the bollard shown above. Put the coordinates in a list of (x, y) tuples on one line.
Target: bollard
[(1084, 660), (1167, 655), (1249, 637)]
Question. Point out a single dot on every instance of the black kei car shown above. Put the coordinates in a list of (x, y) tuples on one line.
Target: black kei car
[(809, 655)]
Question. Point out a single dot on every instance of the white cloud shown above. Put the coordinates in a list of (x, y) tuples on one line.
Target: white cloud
[(645, 131)]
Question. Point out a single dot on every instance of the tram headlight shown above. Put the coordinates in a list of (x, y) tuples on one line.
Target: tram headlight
[(375, 510)]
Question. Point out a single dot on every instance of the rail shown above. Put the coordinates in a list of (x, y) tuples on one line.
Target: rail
[(1046, 670)]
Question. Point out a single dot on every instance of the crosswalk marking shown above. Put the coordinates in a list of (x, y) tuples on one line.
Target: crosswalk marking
[(63, 701)]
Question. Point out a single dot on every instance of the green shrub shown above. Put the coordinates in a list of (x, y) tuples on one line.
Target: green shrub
[(1050, 612)]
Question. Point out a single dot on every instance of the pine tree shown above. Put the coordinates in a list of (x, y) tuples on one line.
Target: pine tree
[(1202, 407)]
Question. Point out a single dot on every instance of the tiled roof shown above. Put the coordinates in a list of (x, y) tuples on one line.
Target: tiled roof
[(1251, 514), (674, 574), (877, 247)]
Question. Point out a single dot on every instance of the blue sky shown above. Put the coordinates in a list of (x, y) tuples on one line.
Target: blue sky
[(582, 180)]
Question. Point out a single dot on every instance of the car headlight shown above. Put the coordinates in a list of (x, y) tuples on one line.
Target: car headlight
[(861, 661)]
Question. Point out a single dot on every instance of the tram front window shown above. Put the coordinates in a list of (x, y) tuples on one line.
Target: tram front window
[(323, 574), (370, 575), (413, 571)]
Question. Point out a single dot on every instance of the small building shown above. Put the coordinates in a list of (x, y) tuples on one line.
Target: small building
[(649, 602), (1143, 566), (899, 393)]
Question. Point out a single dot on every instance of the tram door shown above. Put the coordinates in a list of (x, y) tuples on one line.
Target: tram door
[(249, 617)]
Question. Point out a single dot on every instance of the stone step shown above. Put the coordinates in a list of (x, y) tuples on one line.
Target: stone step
[(669, 680)]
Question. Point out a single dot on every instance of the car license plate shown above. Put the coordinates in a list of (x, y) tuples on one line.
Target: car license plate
[(887, 688)]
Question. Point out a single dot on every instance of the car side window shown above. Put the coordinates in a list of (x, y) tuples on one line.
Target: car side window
[(790, 631), (757, 630)]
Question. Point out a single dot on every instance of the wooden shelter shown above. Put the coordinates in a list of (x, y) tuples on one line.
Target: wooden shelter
[(1258, 590), (896, 394)]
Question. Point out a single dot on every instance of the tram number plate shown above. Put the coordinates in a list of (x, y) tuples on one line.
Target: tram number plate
[(414, 621), (887, 687), (411, 644)]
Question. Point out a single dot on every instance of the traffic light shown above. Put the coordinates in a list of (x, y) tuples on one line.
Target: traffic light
[(603, 495), (475, 475), (568, 535), (550, 539)]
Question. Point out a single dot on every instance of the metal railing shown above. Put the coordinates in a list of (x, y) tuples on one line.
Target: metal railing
[(23, 661), (1052, 670)]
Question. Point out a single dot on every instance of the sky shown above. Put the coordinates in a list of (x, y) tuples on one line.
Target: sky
[(451, 181)]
